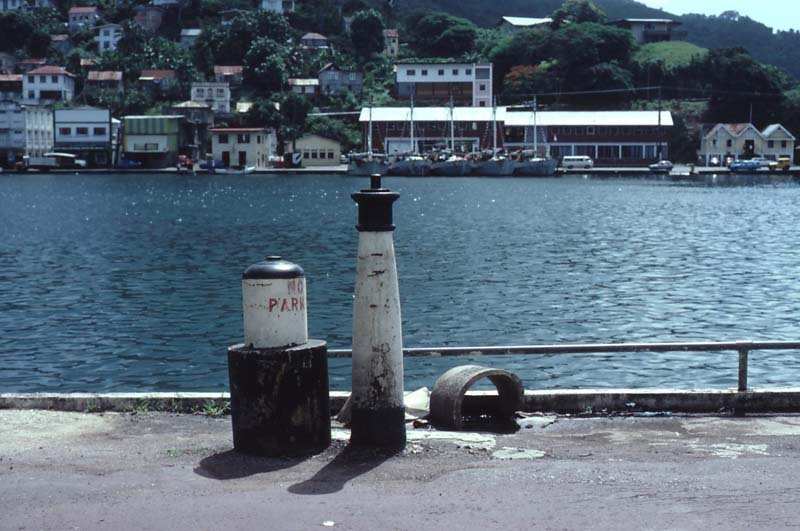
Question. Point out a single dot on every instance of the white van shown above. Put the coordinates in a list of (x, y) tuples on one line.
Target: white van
[(577, 161)]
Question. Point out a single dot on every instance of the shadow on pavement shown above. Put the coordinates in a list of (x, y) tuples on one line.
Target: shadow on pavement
[(349, 464), (234, 465)]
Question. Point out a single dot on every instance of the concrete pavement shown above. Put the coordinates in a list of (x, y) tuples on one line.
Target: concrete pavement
[(66, 470)]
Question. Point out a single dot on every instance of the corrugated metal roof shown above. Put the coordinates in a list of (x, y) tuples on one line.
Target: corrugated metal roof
[(157, 74), (105, 75), (51, 70), (543, 118), (303, 82), (228, 70), (79, 10), (13, 78)]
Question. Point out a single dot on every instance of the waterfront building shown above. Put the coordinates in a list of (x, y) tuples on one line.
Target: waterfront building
[(10, 87), (82, 17), (105, 80), (48, 83), (391, 42), (189, 37), (513, 24), (608, 137), (85, 132), (466, 83), (306, 87), (744, 141), (333, 80), (25, 129), (646, 30), (155, 141), (231, 74), (242, 146), (214, 94), (316, 150), (198, 118), (278, 6), (108, 35)]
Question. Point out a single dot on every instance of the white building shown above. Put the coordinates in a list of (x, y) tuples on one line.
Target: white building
[(81, 18), (189, 37), (744, 141), (513, 24), (85, 132), (278, 6), (51, 83), (242, 146), (24, 130), (108, 35), (466, 83), (304, 86), (216, 95)]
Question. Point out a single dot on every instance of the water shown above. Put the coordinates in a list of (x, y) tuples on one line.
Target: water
[(132, 282)]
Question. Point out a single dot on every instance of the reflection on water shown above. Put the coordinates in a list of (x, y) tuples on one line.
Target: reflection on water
[(132, 282)]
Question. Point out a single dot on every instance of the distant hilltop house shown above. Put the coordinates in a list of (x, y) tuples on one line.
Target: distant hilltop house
[(744, 141), (513, 24), (189, 37), (28, 64), (160, 82), (391, 42), (61, 42), (611, 138), (81, 18), (231, 74), (304, 86), (110, 80), (217, 95), (108, 35), (314, 41), (467, 83), (278, 6), (647, 30)]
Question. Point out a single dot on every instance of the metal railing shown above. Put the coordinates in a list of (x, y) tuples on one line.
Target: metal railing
[(743, 348)]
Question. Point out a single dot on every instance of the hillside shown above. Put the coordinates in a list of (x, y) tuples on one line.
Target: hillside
[(671, 54)]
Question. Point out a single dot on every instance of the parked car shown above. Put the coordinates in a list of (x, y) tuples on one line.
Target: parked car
[(661, 165), (577, 161), (745, 166), (764, 162), (783, 164), (127, 164)]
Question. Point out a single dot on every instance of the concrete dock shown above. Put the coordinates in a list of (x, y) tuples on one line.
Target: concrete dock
[(145, 470)]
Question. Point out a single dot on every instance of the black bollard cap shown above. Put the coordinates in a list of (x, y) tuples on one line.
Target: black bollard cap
[(273, 267), (375, 207)]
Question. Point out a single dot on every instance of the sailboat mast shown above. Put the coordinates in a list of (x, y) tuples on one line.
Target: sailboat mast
[(535, 131), (413, 146), (452, 131), (494, 127), (369, 134)]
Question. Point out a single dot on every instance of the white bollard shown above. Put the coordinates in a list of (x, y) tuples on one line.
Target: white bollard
[(378, 414)]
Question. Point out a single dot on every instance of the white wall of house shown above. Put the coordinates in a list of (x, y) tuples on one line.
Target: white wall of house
[(317, 150), (86, 126), (216, 95), (479, 75), (10, 5), (772, 143), (255, 145), (107, 37), (278, 6), (79, 21), (24, 130), (34, 84)]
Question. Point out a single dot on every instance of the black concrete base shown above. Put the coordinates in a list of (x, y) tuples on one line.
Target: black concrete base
[(378, 428), (279, 399)]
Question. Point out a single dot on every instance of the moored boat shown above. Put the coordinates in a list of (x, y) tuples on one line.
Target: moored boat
[(499, 166), (410, 165), (535, 167), (367, 164)]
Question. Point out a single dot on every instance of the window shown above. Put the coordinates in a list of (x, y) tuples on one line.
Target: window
[(223, 138), (455, 71), (81, 130), (468, 71), (441, 71), (424, 72), (106, 32), (590, 130), (330, 154), (105, 45), (714, 142), (99, 131), (200, 92), (31, 94), (482, 87), (729, 143), (314, 154), (243, 139), (42, 79), (481, 104), (31, 79), (783, 143), (770, 144), (220, 93), (258, 139), (66, 131), (411, 72)]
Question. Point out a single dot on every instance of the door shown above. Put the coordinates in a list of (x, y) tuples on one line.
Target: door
[(242, 158), (749, 148), (226, 158)]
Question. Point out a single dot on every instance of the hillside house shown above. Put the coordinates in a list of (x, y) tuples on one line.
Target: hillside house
[(48, 83), (61, 42), (11, 5), (314, 41), (214, 94), (159, 82), (333, 80), (189, 37), (391, 42), (278, 6), (82, 17), (513, 24), (10, 87), (646, 30), (31, 63), (229, 14), (232, 74), (148, 17), (744, 141), (105, 80), (467, 83), (305, 86), (108, 35)]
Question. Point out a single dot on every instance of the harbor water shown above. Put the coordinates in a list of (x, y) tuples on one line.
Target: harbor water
[(133, 282)]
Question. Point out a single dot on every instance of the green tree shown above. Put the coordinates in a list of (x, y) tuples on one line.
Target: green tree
[(366, 33), (577, 12), (265, 66), (14, 28), (38, 43), (349, 134), (440, 34)]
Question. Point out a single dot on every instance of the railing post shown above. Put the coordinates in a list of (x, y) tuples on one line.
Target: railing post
[(743, 352), (739, 407)]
